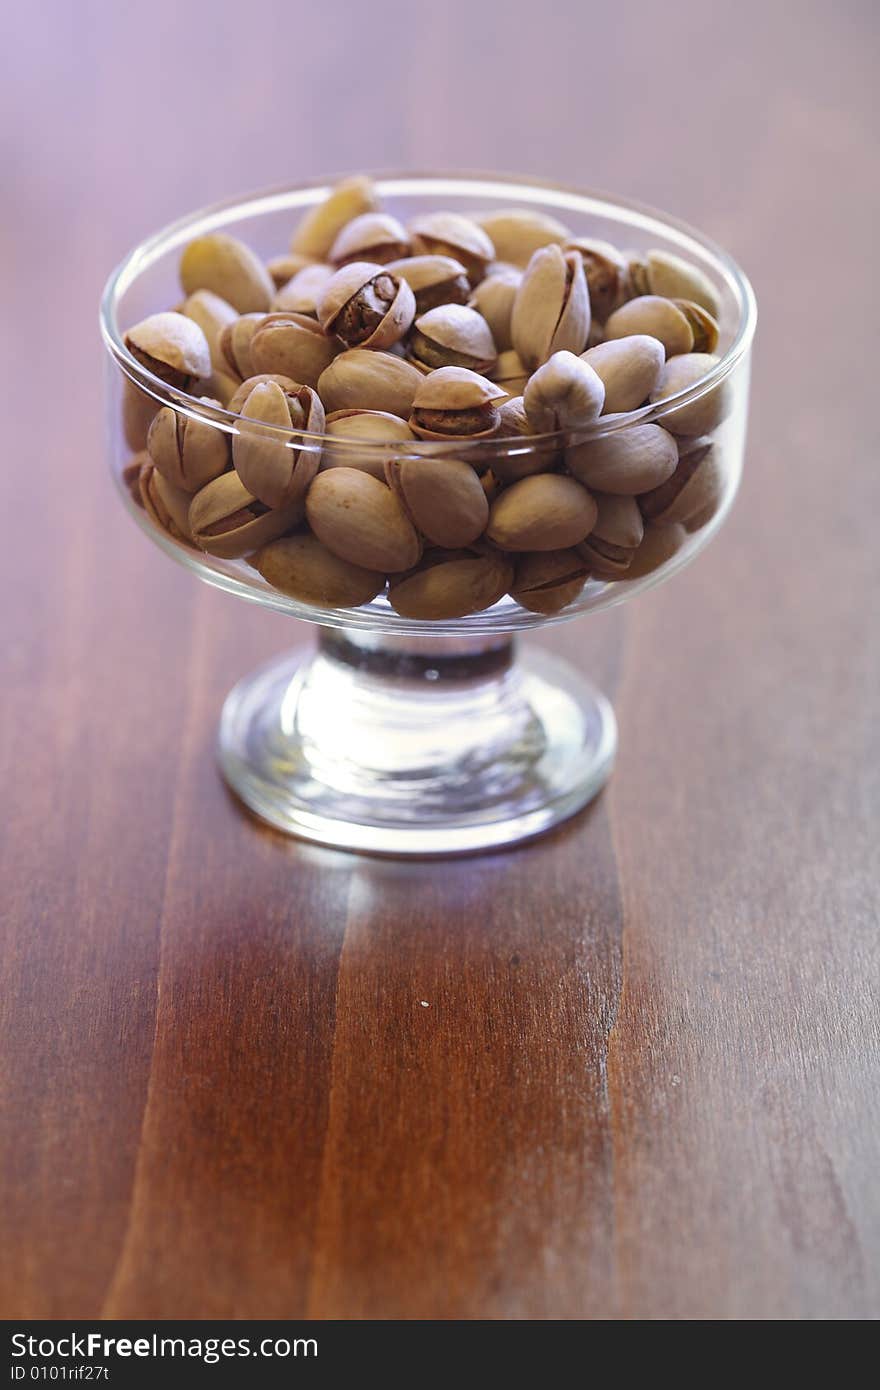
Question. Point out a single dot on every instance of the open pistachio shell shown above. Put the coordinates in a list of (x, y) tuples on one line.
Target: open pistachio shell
[(551, 311), (605, 271), (659, 544), (372, 236), (546, 581), (361, 379), (454, 401), (188, 452), (270, 463), (616, 535), (172, 347), (442, 496), (283, 268), (300, 294), (695, 488), (321, 225), (292, 345), (451, 234), (703, 326), (235, 345), (675, 278), (166, 505), (243, 391), (365, 305), (228, 521), (212, 314), (433, 280), (228, 267), (453, 335), (655, 317)]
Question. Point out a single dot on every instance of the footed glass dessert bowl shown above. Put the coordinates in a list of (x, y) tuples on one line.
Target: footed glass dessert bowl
[(421, 548)]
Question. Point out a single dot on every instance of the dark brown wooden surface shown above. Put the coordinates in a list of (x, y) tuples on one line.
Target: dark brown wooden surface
[(646, 1084)]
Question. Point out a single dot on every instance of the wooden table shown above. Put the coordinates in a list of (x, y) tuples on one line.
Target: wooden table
[(645, 1084)]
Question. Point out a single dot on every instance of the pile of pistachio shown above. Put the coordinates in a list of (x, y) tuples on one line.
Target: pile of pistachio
[(475, 331)]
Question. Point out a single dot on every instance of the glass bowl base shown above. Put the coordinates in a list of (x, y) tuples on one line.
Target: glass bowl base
[(416, 746)]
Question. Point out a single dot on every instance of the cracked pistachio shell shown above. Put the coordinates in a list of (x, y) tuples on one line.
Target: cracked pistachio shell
[(300, 294), (362, 521), (235, 346), (544, 512), (703, 326), (271, 466), (551, 311), (373, 429), (517, 233), (494, 298), (629, 368), (366, 306), (451, 584), (291, 345), (510, 373), (283, 268), (212, 314), (565, 393), (659, 545), (361, 379), (228, 521), (454, 401), (138, 412), (655, 317), (442, 496), (452, 335), (433, 280), (320, 226), (226, 266), (702, 415), (244, 389), (546, 581), (605, 269), (373, 236), (615, 537), (166, 505), (172, 347), (674, 278), (304, 569), (187, 452), (694, 489), (451, 234), (626, 462)]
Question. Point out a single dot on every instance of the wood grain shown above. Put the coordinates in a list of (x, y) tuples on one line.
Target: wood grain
[(646, 1082)]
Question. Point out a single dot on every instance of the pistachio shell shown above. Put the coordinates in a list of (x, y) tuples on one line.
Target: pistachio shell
[(223, 264), (366, 306), (703, 326), (300, 294), (226, 520), (291, 345), (433, 280), (551, 311), (372, 236), (235, 345), (546, 581), (283, 268), (321, 225), (629, 368), (656, 317), (187, 452), (304, 569), (442, 496), (242, 392), (451, 584), (374, 429), (517, 233), (659, 545), (455, 401), (702, 415), (696, 486), (271, 465), (221, 386), (138, 411), (166, 505), (172, 347), (615, 537), (361, 520), (451, 234), (510, 373), (212, 314), (543, 512), (363, 380), (452, 335), (627, 462), (605, 270), (563, 394), (675, 278), (494, 297)]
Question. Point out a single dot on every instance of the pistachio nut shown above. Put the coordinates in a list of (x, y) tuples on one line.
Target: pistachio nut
[(451, 584), (273, 467), (537, 458), (283, 268), (373, 430), (674, 278), (509, 373), (605, 271), (361, 379), (517, 233), (304, 569), (443, 498), (544, 512), (625, 462), (629, 368), (703, 414), (455, 402), (494, 299), (451, 234), (228, 521), (212, 314), (321, 225), (660, 543), (637, 279), (243, 391), (703, 326), (300, 294), (433, 280), (452, 335), (546, 581), (172, 347), (228, 267), (235, 346), (188, 452), (291, 345), (655, 317), (616, 535), (362, 521), (166, 505), (138, 411), (373, 236), (565, 393), (366, 306), (512, 419), (551, 311), (696, 487)]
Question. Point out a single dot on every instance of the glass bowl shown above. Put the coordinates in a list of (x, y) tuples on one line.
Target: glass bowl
[(403, 736)]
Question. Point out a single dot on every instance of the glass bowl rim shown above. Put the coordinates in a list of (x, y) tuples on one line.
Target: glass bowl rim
[(148, 251)]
